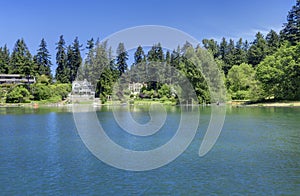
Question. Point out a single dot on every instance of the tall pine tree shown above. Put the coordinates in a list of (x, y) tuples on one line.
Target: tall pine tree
[(21, 60), (273, 42), (122, 57), (223, 48), (74, 59), (258, 50), (61, 74), (4, 60), (212, 46), (156, 53), (291, 30), (139, 55), (240, 56), (42, 60), (85, 69)]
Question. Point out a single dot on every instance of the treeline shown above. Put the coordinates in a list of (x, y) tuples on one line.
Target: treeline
[(266, 68), (22, 62), (160, 72)]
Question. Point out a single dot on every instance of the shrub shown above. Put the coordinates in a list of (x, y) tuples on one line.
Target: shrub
[(18, 94), (41, 91), (61, 90), (43, 79)]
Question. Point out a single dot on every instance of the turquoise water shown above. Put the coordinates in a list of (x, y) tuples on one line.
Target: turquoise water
[(257, 153)]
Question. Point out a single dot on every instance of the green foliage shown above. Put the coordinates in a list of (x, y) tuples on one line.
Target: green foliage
[(258, 50), (212, 46), (2, 94), (239, 81), (232, 53), (105, 84), (275, 73), (68, 63), (84, 70), (210, 86), (42, 60), (149, 93), (164, 91), (139, 55), (18, 94), (155, 54), (98, 59), (223, 48), (43, 79), (74, 59), (280, 73), (4, 60), (122, 57), (21, 60), (291, 30), (240, 53), (273, 42), (61, 90), (41, 91), (62, 72)]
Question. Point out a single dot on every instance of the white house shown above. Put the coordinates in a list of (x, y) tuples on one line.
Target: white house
[(135, 88), (83, 88)]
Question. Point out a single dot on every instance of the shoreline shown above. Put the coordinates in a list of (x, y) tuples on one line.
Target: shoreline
[(265, 104), (235, 103)]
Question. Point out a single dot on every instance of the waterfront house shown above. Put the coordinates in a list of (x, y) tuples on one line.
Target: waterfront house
[(16, 79), (82, 88)]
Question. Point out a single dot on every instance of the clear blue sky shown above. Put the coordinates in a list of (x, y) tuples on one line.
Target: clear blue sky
[(37, 19)]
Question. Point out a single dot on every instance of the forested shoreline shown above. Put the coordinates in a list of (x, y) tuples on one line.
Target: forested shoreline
[(265, 68)]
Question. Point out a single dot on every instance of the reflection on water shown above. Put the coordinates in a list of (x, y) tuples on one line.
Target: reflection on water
[(258, 153)]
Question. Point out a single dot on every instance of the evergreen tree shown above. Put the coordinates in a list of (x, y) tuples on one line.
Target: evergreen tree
[(291, 30), (227, 53), (111, 59), (105, 84), (273, 42), (4, 60), (168, 57), (193, 72), (175, 59), (230, 54), (99, 60), (246, 46), (168, 70), (85, 69), (223, 48), (212, 46), (69, 64), (122, 57), (42, 60), (74, 59), (61, 74), (240, 55), (258, 50), (90, 44), (155, 54), (139, 55), (138, 68), (21, 60), (155, 58)]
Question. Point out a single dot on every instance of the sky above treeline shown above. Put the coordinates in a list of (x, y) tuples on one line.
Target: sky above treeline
[(37, 19)]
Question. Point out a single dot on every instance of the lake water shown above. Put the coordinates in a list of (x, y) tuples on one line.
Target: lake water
[(257, 153)]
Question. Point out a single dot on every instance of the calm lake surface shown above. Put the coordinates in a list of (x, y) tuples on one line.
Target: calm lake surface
[(257, 153)]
